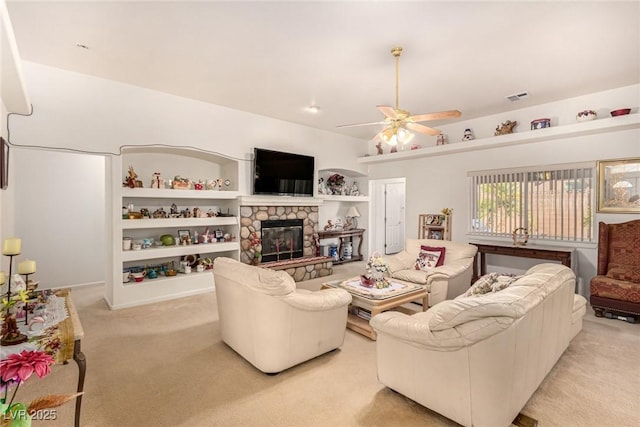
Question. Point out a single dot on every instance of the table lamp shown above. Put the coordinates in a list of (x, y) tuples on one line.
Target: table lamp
[(352, 217)]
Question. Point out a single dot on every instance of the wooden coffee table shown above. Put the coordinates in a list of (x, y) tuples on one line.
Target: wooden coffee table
[(376, 301)]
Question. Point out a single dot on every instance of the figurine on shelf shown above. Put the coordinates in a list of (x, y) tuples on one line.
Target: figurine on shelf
[(322, 186), (198, 185), (130, 181), (379, 147), (181, 183), (468, 135), (506, 128), (329, 226), (210, 184), (355, 191), (157, 181)]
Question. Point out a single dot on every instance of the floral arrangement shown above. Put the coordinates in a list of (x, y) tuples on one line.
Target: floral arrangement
[(255, 243), (376, 269), (447, 211), (10, 331), (335, 183), (16, 369)]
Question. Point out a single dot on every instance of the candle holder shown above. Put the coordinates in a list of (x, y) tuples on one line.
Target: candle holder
[(11, 335), (26, 304)]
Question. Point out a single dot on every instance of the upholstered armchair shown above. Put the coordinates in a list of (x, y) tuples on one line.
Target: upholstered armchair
[(617, 284), (443, 282), (273, 325)]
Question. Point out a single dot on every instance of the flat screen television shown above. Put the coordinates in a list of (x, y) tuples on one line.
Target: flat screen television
[(284, 174)]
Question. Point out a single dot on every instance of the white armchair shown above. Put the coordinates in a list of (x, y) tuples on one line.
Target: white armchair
[(269, 322), (444, 282)]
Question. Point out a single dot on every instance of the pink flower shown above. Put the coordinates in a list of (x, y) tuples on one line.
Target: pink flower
[(19, 367)]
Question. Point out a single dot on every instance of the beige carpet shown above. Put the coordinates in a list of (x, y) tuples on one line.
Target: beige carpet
[(164, 365)]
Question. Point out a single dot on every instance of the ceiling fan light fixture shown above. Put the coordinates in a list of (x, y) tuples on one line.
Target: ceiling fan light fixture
[(404, 136)]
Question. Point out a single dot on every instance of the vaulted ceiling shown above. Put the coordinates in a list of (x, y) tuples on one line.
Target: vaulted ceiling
[(277, 58)]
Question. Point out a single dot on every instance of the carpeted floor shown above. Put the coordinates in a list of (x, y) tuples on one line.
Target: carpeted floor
[(165, 365)]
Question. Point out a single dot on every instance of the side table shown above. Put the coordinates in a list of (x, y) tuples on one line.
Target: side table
[(345, 235), (78, 355)]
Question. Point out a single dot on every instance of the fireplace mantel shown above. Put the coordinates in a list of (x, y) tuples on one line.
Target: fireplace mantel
[(279, 201)]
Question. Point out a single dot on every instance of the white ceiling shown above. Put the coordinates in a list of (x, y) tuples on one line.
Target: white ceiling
[(276, 58)]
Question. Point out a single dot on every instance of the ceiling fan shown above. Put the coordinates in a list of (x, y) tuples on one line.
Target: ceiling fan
[(399, 123)]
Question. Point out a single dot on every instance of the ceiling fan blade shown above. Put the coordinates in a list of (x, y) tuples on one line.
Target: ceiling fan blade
[(389, 112), (422, 129), (435, 116), (360, 124)]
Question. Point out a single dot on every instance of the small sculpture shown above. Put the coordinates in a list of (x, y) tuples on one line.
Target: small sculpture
[(379, 147), (506, 128), (329, 226), (130, 181), (468, 135), (159, 213), (157, 181), (355, 191), (211, 184), (181, 183), (441, 139), (322, 187)]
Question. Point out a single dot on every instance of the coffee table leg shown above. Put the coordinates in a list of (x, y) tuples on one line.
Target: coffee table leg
[(78, 356)]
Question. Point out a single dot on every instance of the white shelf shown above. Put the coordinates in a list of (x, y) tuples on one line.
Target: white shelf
[(338, 198), (630, 121), (167, 193), (179, 250), (160, 280), (131, 224)]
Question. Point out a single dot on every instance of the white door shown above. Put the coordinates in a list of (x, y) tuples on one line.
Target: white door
[(394, 213), (387, 215)]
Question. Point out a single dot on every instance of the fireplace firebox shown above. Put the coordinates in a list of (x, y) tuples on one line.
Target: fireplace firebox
[(282, 239)]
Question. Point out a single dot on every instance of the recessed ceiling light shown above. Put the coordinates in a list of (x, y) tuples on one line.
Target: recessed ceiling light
[(313, 109)]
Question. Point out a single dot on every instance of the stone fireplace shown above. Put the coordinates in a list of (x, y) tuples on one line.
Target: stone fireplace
[(293, 228), (251, 218)]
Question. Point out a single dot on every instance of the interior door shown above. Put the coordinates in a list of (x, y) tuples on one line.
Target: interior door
[(394, 214)]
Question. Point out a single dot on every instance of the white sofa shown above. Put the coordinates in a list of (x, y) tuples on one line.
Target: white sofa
[(477, 360), (269, 322), (444, 282)]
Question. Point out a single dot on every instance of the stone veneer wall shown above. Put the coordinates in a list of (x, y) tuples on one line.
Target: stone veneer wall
[(250, 217)]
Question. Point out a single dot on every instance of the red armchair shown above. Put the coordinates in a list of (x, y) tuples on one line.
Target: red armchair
[(617, 286)]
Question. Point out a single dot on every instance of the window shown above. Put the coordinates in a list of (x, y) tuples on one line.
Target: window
[(552, 203)]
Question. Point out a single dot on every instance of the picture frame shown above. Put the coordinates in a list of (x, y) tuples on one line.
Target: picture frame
[(184, 235), (618, 185), (435, 233), (4, 164)]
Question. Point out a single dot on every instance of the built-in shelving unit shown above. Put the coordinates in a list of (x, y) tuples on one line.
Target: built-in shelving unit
[(631, 121), (193, 164)]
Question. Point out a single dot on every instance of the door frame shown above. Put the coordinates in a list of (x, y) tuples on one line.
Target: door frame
[(377, 230)]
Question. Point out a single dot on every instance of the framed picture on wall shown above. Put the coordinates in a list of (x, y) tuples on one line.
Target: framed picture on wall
[(4, 164), (619, 185)]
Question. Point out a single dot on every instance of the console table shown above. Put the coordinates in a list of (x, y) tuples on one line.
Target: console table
[(345, 235), (552, 253), (71, 331)]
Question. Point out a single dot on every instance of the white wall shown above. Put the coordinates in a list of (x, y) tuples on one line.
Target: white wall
[(437, 182), (60, 215)]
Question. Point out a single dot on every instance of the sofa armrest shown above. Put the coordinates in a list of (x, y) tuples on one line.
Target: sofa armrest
[(326, 299), (415, 329)]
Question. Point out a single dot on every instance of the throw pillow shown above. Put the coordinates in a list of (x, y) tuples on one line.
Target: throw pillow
[(427, 260), (440, 249), (492, 282), (627, 273)]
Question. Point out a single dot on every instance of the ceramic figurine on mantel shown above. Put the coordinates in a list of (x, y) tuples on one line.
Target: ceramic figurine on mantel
[(506, 128), (468, 135), (441, 139)]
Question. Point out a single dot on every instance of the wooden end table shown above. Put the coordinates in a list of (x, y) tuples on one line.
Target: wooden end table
[(378, 304)]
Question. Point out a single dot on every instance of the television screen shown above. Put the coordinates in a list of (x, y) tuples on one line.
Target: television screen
[(284, 174)]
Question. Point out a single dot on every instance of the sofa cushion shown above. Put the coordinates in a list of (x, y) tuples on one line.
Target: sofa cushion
[(629, 273), (623, 290), (411, 275), (400, 261), (441, 249), (492, 282), (429, 258)]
